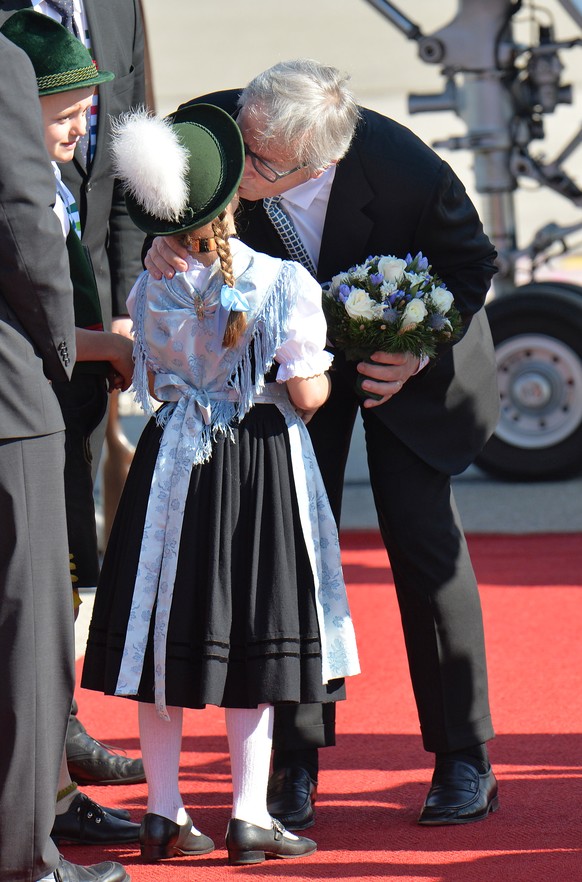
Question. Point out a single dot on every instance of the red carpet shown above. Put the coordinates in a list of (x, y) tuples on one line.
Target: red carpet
[(373, 783)]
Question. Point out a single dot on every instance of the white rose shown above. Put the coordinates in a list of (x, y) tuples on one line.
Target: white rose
[(391, 268), (442, 299), (359, 304), (414, 312)]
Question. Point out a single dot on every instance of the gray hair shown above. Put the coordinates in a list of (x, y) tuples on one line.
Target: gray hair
[(305, 104)]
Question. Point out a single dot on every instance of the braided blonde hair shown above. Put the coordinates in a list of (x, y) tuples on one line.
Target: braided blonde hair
[(237, 321)]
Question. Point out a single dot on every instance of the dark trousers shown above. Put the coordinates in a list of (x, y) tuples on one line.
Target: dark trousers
[(83, 402), (434, 579), (36, 651)]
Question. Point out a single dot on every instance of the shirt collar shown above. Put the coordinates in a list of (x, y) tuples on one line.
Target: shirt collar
[(303, 195), (76, 4)]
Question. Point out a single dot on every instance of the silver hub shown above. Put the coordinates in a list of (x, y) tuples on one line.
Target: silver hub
[(540, 387)]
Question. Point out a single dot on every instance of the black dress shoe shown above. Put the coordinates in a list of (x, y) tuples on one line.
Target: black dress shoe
[(108, 871), (160, 838), (116, 812), (91, 762), (290, 797), (123, 814), (459, 794), (248, 844), (87, 823)]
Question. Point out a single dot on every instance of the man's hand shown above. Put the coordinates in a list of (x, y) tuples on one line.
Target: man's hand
[(166, 257), (387, 375)]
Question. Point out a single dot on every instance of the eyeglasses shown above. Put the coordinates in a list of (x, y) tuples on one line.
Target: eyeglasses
[(266, 171)]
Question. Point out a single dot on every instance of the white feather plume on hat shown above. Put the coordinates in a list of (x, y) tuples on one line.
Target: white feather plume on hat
[(151, 163)]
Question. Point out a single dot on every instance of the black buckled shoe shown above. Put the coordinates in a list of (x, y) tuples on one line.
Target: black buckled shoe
[(87, 823), (248, 844), (160, 838), (291, 795), (91, 762), (459, 794), (108, 871)]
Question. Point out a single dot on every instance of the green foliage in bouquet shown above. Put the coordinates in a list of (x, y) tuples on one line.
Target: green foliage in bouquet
[(390, 304)]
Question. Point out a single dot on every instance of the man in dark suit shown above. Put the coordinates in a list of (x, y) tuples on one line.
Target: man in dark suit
[(37, 346), (113, 31), (354, 184)]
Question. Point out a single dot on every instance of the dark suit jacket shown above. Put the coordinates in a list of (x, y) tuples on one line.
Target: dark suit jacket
[(37, 336), (393, 195), (117, 41)]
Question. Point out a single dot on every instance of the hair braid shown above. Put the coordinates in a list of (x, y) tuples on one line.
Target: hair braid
[(237, 321)]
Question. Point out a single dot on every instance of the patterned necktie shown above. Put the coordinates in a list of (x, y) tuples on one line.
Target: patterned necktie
[(65, 10), (287, 232)]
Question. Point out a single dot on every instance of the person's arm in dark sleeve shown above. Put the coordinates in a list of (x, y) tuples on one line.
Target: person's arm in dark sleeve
[(451, 234)]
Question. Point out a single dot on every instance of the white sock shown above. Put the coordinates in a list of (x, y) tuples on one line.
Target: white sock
[(161, 744), (250, 734), (49, 878)]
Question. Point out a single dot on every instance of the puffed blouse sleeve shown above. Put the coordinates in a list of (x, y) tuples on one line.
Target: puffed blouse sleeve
[(302, 354)]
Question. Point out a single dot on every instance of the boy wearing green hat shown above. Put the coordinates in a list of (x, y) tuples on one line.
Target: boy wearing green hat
[(66, 79)]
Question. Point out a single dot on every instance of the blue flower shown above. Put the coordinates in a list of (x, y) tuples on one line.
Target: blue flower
[(343, 292), (376, 278)]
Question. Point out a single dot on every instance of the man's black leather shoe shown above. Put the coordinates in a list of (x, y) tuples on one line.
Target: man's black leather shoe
[(116, 812), (108, 871), (291, 795), (87, 823), (459, 794), (91, 762), (248, 844)]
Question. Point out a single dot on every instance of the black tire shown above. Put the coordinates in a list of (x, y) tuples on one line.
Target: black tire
[(537, 332)]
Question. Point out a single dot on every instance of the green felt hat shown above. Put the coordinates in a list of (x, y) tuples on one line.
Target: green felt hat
[(213, 155), (60, 61)]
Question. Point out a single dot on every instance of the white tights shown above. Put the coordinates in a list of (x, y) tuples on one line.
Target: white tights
[(249, 733)]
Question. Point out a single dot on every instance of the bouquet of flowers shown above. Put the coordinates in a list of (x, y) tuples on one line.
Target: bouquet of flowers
[(389, 304)]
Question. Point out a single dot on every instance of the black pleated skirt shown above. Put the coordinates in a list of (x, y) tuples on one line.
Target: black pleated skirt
[(243, 627)]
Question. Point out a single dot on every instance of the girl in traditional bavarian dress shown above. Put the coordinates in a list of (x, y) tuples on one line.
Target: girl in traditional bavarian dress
[(222, 581)]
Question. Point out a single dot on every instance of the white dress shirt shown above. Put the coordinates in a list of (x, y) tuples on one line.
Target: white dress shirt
[(306, 205)]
